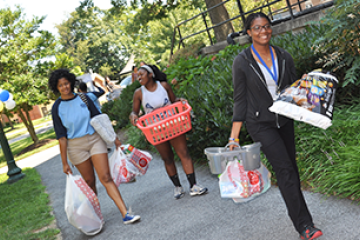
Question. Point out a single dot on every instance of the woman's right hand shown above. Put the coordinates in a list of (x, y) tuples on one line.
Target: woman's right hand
[(67, 169), (232, 146)]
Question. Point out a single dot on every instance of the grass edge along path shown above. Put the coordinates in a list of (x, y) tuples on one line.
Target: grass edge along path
[(20, 129), (20, 145), (25, 211)]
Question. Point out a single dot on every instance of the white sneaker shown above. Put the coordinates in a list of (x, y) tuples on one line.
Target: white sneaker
[(198, 190), (178, 192)]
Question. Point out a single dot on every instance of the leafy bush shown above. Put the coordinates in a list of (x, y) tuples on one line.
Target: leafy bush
[(188, 51), (120, 109), (341, 42), (138, 139), (302, 47)]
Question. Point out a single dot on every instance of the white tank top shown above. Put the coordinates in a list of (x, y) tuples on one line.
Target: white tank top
[(156, 99)]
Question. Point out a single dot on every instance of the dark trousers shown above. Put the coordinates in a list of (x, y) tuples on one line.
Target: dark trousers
[(278, 145)]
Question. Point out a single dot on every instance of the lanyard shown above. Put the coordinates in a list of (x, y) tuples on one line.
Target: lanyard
[(273, 75)]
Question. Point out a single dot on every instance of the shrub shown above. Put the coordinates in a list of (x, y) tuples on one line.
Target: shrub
[(341, 42), (340, 46), (302, 47), (188, 51), (120, 109)]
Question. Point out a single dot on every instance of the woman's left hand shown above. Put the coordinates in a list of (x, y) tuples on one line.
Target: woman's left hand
[(181, 100)]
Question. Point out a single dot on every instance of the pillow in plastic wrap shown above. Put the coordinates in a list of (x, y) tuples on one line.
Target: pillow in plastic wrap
[(310, 100), (102, 125)]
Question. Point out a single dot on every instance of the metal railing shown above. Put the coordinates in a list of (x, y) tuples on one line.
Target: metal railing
[(288, 11)]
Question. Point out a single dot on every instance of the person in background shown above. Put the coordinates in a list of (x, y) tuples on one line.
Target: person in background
[(155, 94), (78, 140), (94, 96), (259, 73), (134, 74)]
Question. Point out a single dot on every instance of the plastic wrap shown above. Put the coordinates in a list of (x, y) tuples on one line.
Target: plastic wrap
[(310, 100), (241, 185)]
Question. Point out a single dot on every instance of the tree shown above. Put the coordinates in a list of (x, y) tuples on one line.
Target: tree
[(94, 38), (23, 51), (155, 44), (149, 10), (218, 15), (156, 10)]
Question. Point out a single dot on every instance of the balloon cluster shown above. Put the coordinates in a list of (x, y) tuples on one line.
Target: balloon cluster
[(6, 99)]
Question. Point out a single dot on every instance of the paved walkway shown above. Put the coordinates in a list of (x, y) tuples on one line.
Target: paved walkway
[(205, 217)]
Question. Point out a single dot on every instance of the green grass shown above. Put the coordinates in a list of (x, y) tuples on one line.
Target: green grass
[(20, 129), (18, 146), (24, 209)]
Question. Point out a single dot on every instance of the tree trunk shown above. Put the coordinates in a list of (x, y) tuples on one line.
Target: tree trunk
[(10, 122), (3, 120), (28, 124), (218, 15)]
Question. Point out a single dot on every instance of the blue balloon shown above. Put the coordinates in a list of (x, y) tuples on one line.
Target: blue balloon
[(4, 96)]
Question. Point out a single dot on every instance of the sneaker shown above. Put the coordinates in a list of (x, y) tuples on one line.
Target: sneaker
[(178, 192), (311, 232), (128, 219), (197, 190)]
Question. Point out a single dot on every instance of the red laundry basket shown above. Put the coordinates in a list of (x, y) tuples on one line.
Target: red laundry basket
[(166, 123)]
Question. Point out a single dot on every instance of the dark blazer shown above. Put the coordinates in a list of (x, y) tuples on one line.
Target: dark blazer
[(252, 98)]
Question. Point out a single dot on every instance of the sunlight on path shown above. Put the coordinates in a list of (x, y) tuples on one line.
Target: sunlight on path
[(35, 159)]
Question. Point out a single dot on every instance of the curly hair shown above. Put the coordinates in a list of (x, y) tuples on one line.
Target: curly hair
[(58, 74)]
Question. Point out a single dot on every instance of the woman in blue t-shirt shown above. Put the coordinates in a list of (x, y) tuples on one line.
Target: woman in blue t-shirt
[(154, 94), (78, 139)]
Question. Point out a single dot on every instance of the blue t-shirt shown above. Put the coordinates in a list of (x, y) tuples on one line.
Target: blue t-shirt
[(71, 117), (94, 97)]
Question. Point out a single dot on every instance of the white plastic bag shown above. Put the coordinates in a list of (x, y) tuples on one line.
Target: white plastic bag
[(241, 185), (121, 170), (139, 158), (82, 206)]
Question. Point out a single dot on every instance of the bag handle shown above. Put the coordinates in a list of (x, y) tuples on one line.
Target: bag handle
[(83, 97), (232, 143), (228, 145)]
